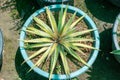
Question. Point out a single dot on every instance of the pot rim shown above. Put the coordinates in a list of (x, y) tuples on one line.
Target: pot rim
[(75, 73), (53, 1), (114, 32)]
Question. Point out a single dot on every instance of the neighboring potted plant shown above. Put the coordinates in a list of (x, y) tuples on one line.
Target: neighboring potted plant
[(1, 48), (58, 40), (116, 38), (115, 2)]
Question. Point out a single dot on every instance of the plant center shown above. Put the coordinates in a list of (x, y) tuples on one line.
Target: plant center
[(58, 40)]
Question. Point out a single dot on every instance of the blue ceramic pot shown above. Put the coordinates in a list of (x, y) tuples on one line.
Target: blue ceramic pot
[(1, 48), (90, 24), (116, 46)]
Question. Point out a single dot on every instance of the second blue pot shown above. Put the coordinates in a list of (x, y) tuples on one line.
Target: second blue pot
[(116, 45)]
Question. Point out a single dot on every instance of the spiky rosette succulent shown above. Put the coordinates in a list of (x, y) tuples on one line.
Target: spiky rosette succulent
[(57, 40)]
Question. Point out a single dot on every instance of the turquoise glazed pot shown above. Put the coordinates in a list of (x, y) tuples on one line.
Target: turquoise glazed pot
[(90, 24), (1, 48), (114, 36)]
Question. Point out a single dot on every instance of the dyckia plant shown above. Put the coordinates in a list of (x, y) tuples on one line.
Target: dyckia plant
[(57, 41)]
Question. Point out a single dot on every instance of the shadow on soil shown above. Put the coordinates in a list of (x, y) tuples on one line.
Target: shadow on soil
[(23, 69), (105, 67), (103, 10), (25, 8)]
